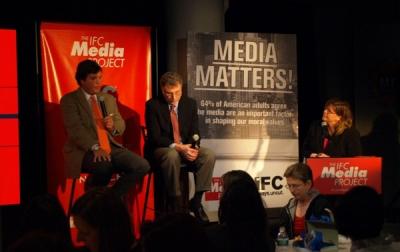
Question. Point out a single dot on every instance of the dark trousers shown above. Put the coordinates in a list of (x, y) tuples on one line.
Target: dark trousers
[(130, 166), (170, 160)]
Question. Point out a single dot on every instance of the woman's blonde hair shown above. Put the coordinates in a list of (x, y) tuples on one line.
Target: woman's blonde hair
[(342, 109)]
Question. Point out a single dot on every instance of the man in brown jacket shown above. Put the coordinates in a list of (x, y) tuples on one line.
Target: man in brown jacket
[(84, 150)]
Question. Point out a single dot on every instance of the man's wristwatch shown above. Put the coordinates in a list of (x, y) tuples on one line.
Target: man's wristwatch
[(95, 147)]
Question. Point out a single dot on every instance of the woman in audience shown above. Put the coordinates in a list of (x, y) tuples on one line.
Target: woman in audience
[(359, 215), (306, 202), (103, 222), (243, 223)]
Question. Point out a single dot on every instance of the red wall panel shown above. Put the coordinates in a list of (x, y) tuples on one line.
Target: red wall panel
[(9, 136)]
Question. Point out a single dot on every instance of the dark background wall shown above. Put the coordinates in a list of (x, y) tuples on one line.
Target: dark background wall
[(341, 46), (348, 50)]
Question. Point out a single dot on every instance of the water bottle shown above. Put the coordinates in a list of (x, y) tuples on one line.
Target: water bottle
[(282, 239)]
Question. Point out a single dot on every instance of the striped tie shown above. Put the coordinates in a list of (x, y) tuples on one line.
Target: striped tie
[(175, 123)]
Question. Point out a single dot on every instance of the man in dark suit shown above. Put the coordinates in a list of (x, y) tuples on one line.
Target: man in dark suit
[(171, 142), (84, 150)]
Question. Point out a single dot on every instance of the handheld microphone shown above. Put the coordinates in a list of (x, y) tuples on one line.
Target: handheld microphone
[(103, 106), (196, 141), (324, 126), (325, 135)]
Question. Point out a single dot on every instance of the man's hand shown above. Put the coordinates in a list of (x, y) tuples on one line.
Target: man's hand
[(100, 155), (319, 155), (109, 122), (187, 152), (322, 155)]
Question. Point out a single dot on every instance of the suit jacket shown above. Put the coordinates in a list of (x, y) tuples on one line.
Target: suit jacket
[(81, 129), (159, 126), (347, 144)]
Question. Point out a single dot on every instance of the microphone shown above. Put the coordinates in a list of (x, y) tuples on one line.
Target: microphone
[(196, 141), (324, 126), (103, 106), (325, 135)]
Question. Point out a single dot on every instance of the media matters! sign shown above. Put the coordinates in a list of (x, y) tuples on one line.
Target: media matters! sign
[(246, 87), (338, 175)]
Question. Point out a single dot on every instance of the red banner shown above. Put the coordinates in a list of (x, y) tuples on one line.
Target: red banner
[(124, 53), (9, 140), (338, 175)]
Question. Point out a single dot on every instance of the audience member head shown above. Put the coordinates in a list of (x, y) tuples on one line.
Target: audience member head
[(235, 175), (359, 213), (102, 221), (240, 202), (45, 213), (242, 210), (299, 180), (339, 111), (176, 232)]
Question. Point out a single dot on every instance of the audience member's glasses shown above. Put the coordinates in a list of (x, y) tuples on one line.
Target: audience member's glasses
[(293, 186), (328, 111)]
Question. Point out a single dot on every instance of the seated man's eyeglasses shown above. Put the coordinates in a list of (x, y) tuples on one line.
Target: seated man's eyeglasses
[(293, 186)]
